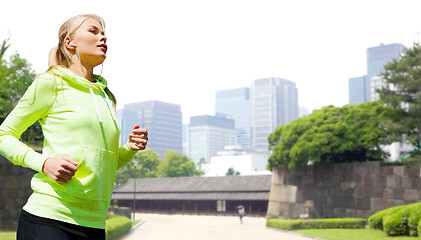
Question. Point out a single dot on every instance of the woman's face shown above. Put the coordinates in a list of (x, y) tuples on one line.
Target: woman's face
[(91, 42)]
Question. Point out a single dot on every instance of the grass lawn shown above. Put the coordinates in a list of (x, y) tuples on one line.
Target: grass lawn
[(7, 235), (350, 234)]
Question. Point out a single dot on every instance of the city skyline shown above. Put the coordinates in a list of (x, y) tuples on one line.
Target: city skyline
[(184, 51)]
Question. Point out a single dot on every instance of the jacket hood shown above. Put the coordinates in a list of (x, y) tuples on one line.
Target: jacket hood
[(99, 82)]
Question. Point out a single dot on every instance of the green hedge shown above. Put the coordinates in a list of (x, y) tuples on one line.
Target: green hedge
[(115, 226), (414, 220), (399, 220), (316, 223), (376, 220)]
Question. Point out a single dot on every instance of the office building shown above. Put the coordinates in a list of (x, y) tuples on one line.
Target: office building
[(361, 88), (163, 122), (209, 134), (235, 104), (357, 87), (274, 102), (377, 58), (127, 119)]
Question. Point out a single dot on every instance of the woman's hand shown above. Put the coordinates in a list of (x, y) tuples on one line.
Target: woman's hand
[(138, 138), (60, 169)]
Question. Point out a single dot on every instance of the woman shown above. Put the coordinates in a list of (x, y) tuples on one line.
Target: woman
[(72, 191)]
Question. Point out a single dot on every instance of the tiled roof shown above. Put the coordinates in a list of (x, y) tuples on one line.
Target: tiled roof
[(254, 187)]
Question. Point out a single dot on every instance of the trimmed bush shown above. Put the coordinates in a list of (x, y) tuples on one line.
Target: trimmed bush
[(352, 223), (398, 221), (419, 227), (413, 221), (396, 224), (376, 220), (115, 226)]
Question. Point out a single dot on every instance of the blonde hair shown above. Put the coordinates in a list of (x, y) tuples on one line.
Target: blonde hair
[(60, 55)]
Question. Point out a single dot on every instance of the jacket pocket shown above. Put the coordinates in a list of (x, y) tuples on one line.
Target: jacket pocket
[(94, 178)]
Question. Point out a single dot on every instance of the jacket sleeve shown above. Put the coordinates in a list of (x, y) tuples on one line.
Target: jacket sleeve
[(33, 106), (125, 154)]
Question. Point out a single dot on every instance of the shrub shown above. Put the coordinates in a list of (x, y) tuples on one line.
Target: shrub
[(376, 220), (316, 223), (399, 220), (396, 224), (116, 226), (413, 221), (419, 227)]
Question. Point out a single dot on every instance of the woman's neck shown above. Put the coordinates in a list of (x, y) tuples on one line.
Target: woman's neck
[(82, 71)]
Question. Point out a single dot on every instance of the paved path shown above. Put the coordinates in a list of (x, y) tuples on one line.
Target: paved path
[(193, 227)]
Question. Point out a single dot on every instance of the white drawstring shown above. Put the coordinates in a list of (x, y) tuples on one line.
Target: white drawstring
[(96, 104)]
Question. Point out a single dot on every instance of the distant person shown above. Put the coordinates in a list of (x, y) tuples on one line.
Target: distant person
[(241, 213), (81, 152)]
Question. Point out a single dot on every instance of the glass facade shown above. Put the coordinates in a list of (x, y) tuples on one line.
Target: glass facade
[(235, 104), (209, 134), (163, 122), (274, 103), (127, 120), (360, 88), (357, 89), (377, 57)]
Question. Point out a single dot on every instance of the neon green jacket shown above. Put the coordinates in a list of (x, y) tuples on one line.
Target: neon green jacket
[(78, 120)]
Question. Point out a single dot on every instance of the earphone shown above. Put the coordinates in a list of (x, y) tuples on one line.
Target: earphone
[(77, 51)]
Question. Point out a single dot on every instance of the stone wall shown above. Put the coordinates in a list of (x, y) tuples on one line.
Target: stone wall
[(14, 192), (341, 190)]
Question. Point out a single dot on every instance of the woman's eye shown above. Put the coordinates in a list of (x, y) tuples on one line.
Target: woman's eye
[(92, 31)]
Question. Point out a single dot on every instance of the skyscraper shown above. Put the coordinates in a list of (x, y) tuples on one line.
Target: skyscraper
[(357, 88), (163, 122), (209, 134), (377, 58), (235, 104), (274, 103), (127, 119)]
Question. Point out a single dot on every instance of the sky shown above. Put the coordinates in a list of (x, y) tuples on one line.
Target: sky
[(184, 51)]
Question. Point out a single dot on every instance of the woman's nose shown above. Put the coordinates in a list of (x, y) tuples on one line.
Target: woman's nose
[(103, 39)]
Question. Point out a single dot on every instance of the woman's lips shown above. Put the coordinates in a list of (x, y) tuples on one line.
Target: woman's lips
[(103, 47)]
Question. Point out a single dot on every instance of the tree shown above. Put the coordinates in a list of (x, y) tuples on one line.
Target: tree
[(3, 48), (178, 165), (232, 172), (331, 134), (147, 164), (15, 77), (402, 92)]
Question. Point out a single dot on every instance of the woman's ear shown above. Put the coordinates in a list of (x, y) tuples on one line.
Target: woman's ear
[(69, 43)]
